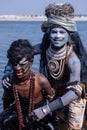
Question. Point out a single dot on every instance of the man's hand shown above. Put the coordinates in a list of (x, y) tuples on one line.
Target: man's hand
[(49, 97), (76, 88), (6, 82), (40, 112)]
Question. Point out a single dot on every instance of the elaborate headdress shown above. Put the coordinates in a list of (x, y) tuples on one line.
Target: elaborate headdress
[(60, 14)]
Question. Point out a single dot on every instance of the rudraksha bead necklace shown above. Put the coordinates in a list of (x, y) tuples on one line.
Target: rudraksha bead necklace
[(31, 99)]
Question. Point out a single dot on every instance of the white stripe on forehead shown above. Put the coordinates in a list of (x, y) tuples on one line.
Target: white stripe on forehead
[(23, 61)]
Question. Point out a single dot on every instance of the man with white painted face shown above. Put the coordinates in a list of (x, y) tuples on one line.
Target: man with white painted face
[(61, 62)]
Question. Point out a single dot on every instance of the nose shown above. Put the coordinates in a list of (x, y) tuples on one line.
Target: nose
[(58, 34), (18, 67)]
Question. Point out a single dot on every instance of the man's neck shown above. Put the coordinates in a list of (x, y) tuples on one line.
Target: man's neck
[(56, 48)]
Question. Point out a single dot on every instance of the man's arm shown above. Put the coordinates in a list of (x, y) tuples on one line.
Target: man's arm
[(54, 105), (7, 76), (75, 68), (8, 69), (75, 72), (37, 49)]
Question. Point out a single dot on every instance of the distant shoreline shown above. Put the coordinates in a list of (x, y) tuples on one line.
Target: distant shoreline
[(21, 18), (33, 18)]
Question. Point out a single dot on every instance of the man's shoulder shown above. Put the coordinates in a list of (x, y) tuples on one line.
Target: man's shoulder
[(39, 75), (74, 58)]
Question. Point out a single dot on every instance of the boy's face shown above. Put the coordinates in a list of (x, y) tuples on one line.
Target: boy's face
[(22, 67)]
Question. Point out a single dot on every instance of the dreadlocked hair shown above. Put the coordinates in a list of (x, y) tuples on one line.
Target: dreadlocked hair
[(59, 10), (19, 49)]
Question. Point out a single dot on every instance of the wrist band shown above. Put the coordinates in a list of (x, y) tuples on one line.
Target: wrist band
[(46, 109)]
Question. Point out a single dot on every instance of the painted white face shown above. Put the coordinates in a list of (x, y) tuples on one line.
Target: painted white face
[(59, 36)]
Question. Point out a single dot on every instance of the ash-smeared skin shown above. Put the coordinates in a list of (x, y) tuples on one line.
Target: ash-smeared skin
[(59, 37)]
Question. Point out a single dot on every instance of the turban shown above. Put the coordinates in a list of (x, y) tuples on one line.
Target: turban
[(63, 20)]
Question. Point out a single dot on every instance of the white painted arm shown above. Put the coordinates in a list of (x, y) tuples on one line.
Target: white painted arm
[(75, 68)]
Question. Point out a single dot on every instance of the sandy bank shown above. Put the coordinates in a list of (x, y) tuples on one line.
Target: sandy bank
[(33, 18)]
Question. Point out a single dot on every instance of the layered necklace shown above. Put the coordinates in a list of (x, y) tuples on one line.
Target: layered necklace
[(31, 76), (56, 60)]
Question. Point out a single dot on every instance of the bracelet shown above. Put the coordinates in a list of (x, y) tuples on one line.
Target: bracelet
[(46, 109)]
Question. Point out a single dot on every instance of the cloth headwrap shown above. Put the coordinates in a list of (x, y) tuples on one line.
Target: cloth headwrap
[(67, 23)]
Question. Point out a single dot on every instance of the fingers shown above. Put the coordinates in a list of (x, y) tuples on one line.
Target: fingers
[(38, 113), (6, 82), (49, 97), (77, 88), (33, 116)]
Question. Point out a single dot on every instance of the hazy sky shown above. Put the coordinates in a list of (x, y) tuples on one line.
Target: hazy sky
[(37, 7)]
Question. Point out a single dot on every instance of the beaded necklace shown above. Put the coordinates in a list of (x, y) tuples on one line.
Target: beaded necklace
[(31, 99), (56, 60)]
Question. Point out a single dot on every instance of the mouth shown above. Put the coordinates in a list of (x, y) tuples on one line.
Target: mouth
[(22, 72), (57, 40), (19, 73)]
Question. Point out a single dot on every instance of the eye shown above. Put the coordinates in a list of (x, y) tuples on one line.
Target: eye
[(22, 65), (14, 64), (62, 32)]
